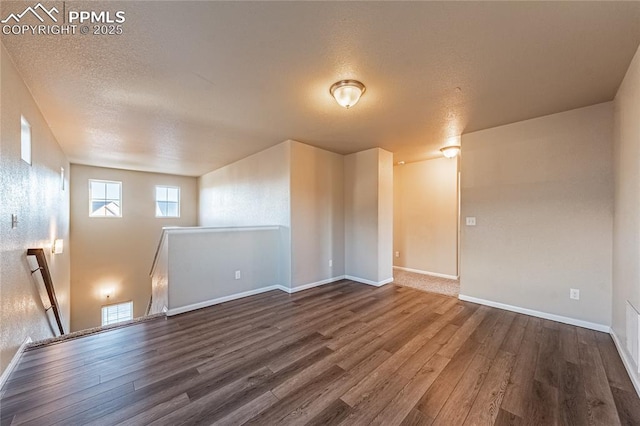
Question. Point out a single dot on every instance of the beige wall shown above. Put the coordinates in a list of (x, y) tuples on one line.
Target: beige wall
[(317, 214), (626, 229), (117, 252), (254, 191), (369, 215), (33, 192), (385, 216), (425, 230), (202, 263), (541, 191)]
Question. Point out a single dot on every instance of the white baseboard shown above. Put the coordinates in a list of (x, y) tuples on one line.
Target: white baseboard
[(626, 360), (315, 284), (14, 362), (211, 302), (433, 274), (539, 314), (369, 282)]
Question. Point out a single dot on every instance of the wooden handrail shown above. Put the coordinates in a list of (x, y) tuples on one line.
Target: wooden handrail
[(38, 253)]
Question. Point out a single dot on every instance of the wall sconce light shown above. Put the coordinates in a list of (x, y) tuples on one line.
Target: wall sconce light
[(347, 92), (452, 149), (106, 292), (58, 246)]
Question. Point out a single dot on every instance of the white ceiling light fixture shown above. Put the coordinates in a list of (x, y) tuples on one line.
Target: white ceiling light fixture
[(452, 149), (347, 93)]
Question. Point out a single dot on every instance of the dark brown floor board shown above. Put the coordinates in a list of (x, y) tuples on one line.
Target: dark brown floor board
[(343, 353)]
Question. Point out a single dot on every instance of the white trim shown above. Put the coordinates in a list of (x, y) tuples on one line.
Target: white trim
[(626, 360), (211, 302), (533, 313), (433, 274), (369, 282), (315, 284), (14, 362)]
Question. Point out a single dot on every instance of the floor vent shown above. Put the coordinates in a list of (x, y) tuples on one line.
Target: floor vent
[(633, 338)]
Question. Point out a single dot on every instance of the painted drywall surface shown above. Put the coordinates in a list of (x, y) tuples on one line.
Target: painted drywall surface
[(541, 191), (385, 215), (368, 202), (33, 192), (117, 253), (626, 229), (317, 214), (254, 191), (426, 216), (202, 264)]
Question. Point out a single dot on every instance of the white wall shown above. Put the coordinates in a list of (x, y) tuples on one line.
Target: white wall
[(317, 214), (105, 253), (254, 191), (626, 229), (33, 192), (425, 217), (369, 216), (541, 191)]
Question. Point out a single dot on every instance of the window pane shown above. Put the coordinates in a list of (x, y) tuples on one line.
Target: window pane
[(98, 190), (105, 199), (167, 201), (172, 209), (161, 193), (117, 313), (25, 140), (112, 209), (173, 194), (113, 191)]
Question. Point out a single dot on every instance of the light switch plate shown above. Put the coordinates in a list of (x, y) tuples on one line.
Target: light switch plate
[(471, 221)]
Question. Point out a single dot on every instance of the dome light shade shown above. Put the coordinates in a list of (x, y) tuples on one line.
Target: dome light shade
[(450, 151), (452, 148), (347, 92)]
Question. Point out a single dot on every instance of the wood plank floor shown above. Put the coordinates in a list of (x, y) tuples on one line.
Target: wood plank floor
[(344, 353)]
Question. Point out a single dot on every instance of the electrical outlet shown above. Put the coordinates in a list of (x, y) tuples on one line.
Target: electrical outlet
[(574, 294), (14, 221), (330, 263), (397, 254), (237, 275), (471, 221)]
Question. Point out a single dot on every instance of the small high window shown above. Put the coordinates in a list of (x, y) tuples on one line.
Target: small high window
[(105, 198), (25, 140), (120, 312), (167, 201)]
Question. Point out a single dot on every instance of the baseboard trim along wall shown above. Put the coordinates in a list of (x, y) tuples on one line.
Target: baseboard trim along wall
[(539, 314), (217, 301), (315, 284), (626, 360), (14, 362), (369, 282), (433, 274), (211, 302)]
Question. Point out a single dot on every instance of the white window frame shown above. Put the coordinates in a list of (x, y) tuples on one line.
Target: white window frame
[(91, 215), (156, 200), (107, 309), (25, 140)]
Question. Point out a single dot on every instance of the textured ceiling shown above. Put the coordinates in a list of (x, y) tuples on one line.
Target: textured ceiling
[(192, 86)]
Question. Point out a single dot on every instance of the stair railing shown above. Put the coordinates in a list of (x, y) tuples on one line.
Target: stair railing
[(43, 268)]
